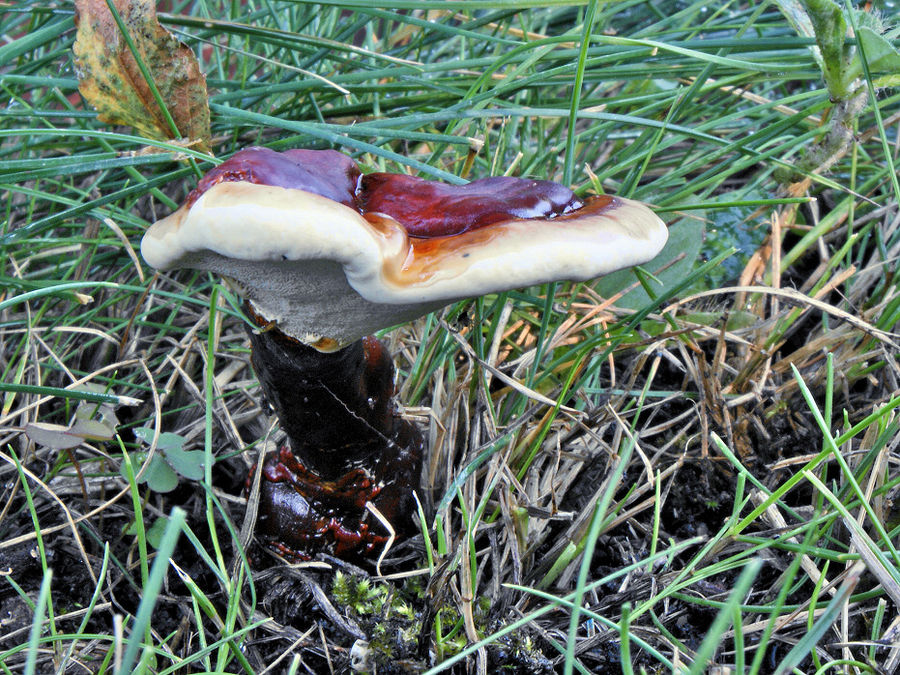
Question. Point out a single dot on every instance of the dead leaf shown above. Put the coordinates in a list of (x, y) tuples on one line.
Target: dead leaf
[(111, 80), (53, 436), (84, 428)]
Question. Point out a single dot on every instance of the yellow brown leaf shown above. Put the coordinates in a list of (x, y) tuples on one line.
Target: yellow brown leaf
[(111, 80)]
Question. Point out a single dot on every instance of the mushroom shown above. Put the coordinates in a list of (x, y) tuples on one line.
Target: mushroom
[(324, 256)]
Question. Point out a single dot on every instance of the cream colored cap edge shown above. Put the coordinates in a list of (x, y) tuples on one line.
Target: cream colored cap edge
[(261, 223)]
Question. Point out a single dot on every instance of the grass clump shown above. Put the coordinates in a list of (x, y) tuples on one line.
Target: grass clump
[(681, 468)]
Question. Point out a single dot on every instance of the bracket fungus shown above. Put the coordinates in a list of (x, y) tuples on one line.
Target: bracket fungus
[(324, 256)]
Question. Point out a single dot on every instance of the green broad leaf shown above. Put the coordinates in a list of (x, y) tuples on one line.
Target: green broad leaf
[(187, 463), (166, 439), (673, 264), (735, 320), (159, 476), (881, 55), (887, 81), (733, 228), (155, 531), (739, 319)]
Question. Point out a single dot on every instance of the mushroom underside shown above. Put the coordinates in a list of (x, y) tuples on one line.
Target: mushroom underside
[(327, 275)]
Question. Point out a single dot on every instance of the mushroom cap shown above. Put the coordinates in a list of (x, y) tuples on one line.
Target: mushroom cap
[(328, 274)]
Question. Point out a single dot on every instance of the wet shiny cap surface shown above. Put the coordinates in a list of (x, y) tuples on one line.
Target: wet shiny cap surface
[(425, 208), (328, 173), (431, 209), (330, 255)]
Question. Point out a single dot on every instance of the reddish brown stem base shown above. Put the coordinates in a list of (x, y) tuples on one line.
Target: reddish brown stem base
[(348, 447)]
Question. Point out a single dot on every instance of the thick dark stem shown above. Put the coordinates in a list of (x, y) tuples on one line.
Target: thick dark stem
[(336, 408), (348, 446)]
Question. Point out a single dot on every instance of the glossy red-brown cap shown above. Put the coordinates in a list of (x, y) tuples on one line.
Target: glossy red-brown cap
[(330, 268)]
